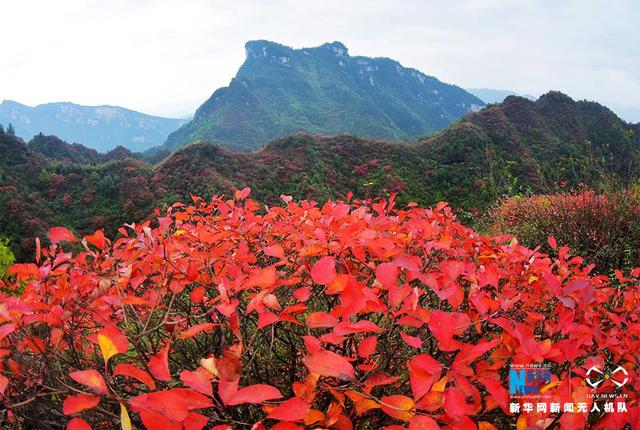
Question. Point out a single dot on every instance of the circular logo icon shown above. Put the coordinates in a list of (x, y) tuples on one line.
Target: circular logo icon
[(595, 376)]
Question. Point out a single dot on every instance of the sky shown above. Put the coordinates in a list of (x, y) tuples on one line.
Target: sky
[(166, 57)]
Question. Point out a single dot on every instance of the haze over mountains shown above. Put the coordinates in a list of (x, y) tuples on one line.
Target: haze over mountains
[(489, 95), (323, 90), (99, 127)]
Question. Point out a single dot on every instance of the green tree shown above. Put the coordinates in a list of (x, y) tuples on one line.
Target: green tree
[(6, 257), (11, 131)]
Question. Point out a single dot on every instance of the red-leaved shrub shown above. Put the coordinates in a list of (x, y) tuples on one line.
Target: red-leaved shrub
[(604, 228), (229, 315)]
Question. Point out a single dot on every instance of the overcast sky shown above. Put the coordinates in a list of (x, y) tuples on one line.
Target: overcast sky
[(165, 57)]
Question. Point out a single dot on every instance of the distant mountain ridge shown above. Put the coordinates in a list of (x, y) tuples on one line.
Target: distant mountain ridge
[(323, 90), (489, 95), (99, 127)]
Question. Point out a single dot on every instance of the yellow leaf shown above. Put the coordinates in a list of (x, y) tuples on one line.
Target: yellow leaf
[(107, 347), (549, 386), (179, 232), (521, 424), (440, 385), (124, 418), (209, 364)]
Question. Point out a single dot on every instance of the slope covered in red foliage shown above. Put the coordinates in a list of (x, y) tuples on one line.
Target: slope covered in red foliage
[(226, 314)]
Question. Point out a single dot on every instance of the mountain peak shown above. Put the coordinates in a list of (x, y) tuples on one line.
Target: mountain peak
[(555, 97), (265, 48), (338, 47), (323, 90)]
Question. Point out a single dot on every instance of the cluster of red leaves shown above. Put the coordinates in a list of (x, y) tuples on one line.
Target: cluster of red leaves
[(229, 315), (514, 210), (604, 227)]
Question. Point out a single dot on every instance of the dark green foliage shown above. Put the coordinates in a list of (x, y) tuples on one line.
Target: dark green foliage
[(279, 91)]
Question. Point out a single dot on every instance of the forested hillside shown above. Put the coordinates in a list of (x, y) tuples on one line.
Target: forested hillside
[(517, 147)]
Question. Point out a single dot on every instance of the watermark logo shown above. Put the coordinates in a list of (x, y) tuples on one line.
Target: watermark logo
[(528, 380), (595, 376)]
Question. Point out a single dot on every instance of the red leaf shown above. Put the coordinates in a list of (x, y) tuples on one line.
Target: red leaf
[(387, 274), (324, 270), (173, 404), (423, 372), (132, 371), (445, 325), (456, 403), (362, 326), (552, 242), (242, 194), (197, 294), (78, 424), (96, 239), (328, 363), (198, 328), (302, 294), (195, 421), (262, 278), (58, 234), (275, 251), (199, 380), (24, 270), (38, 250), (4, 383), (412, 341), (156, 421), (498, 392), (398, 406), (192, 272), (159, 365), (367, 346), (254, 394), (321, 320), (423, 422), (92, 379), (227, 388), (294, 409), (573, 421), (165, 403), (6, 330), (267, 318), (78, 403)]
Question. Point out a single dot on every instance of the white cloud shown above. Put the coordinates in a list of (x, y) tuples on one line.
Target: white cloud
[(167, 56)]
